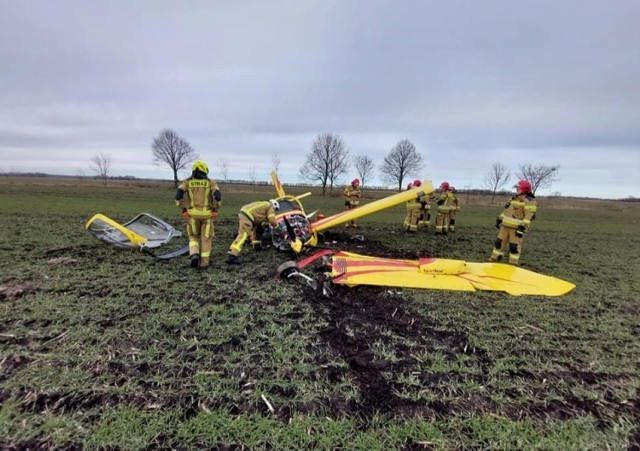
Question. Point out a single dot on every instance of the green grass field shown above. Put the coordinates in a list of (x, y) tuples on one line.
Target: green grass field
[(109, 348)]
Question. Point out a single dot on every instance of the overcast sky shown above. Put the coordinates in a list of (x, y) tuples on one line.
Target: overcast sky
[(470, 83)]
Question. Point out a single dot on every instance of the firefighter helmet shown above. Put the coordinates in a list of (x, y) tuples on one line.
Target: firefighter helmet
[(410, 185), (417, 183), (444, 186), (355, 182), (524, 186), (200, 166), (275, 203)]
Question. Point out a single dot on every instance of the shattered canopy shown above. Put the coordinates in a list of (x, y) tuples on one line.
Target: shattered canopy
[(145, 230)]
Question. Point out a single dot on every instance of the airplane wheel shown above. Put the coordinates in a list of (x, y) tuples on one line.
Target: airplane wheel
[(286, 269)]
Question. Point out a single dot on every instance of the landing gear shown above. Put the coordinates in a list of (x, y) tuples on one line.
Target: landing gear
[(291, 269)]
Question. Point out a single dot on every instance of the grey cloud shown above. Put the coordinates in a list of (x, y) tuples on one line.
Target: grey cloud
[(241, 79)]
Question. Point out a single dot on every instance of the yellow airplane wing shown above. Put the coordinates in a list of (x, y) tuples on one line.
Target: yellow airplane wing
[(373, 207), (443, 274)]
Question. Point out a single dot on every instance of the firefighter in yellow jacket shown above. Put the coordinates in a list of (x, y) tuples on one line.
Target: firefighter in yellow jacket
[(455, 208), (413, 210), (250, 217), (424, 219), (352, 194), (514, 222), (445, 203), (199, 207)]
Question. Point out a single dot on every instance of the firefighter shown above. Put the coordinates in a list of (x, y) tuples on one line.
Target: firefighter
[(455, 208), (352, 194), (199, 208), (250, 218), (514, 222), (424, 219), (413, 210), (445, 201)]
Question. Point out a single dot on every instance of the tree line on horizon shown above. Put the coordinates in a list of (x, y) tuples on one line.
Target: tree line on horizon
[(329, 160)]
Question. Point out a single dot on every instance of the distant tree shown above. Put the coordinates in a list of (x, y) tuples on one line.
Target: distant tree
[(364, 167), (496, 178), (223, 166), (540, 176), (326, 162), (401, 162), (253, 174), (172, 150), (275, 161), (101, 165)]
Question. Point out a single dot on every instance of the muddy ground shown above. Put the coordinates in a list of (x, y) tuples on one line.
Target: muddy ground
[(356, 319)]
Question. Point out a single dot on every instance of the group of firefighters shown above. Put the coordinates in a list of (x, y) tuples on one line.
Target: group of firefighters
[(419, 209), (200, 199)]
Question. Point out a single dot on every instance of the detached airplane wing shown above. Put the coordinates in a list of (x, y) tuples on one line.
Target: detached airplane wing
[(373, 207), (443, 274)]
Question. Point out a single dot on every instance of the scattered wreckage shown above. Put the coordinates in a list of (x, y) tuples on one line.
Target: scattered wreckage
[(143, 232), (296, 231)]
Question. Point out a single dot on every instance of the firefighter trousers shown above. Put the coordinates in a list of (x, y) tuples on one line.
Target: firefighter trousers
[(200, 232)]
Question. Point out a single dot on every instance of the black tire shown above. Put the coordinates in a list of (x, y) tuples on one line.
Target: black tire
[(286, 269)]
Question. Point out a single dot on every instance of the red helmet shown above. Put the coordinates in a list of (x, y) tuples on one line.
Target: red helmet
[(410, 185), (417, 183), (444, 186), (524, 186), (355, 182)]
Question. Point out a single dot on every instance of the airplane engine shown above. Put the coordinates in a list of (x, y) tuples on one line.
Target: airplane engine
[(291, 227)]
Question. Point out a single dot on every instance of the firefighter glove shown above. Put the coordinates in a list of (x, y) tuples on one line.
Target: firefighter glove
[(520, 231), (347, 203), (498, 223), (185, 214), (440, 202)]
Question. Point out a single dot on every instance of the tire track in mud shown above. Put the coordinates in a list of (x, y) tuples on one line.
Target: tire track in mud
[(361, 317)]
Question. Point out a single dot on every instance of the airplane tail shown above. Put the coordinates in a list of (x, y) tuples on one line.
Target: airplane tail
[(277, 184)]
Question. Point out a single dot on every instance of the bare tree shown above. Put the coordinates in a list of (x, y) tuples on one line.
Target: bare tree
[(253, 174), (540, 176), (275, 161), (326, 162), (223, 166), (101, 165), (172, 150), (403, 161), (364, 167), (496, 178)]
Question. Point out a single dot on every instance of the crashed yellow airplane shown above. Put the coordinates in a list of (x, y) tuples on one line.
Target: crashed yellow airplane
[(295, 229)]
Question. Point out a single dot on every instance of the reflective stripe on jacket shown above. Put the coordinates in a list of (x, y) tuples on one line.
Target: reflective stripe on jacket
[(520, 210), (203, 196)]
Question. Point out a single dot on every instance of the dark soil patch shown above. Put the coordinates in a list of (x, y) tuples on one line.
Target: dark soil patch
[(12, 290)]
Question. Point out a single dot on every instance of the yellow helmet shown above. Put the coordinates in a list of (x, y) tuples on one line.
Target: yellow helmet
[(200, 166)]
